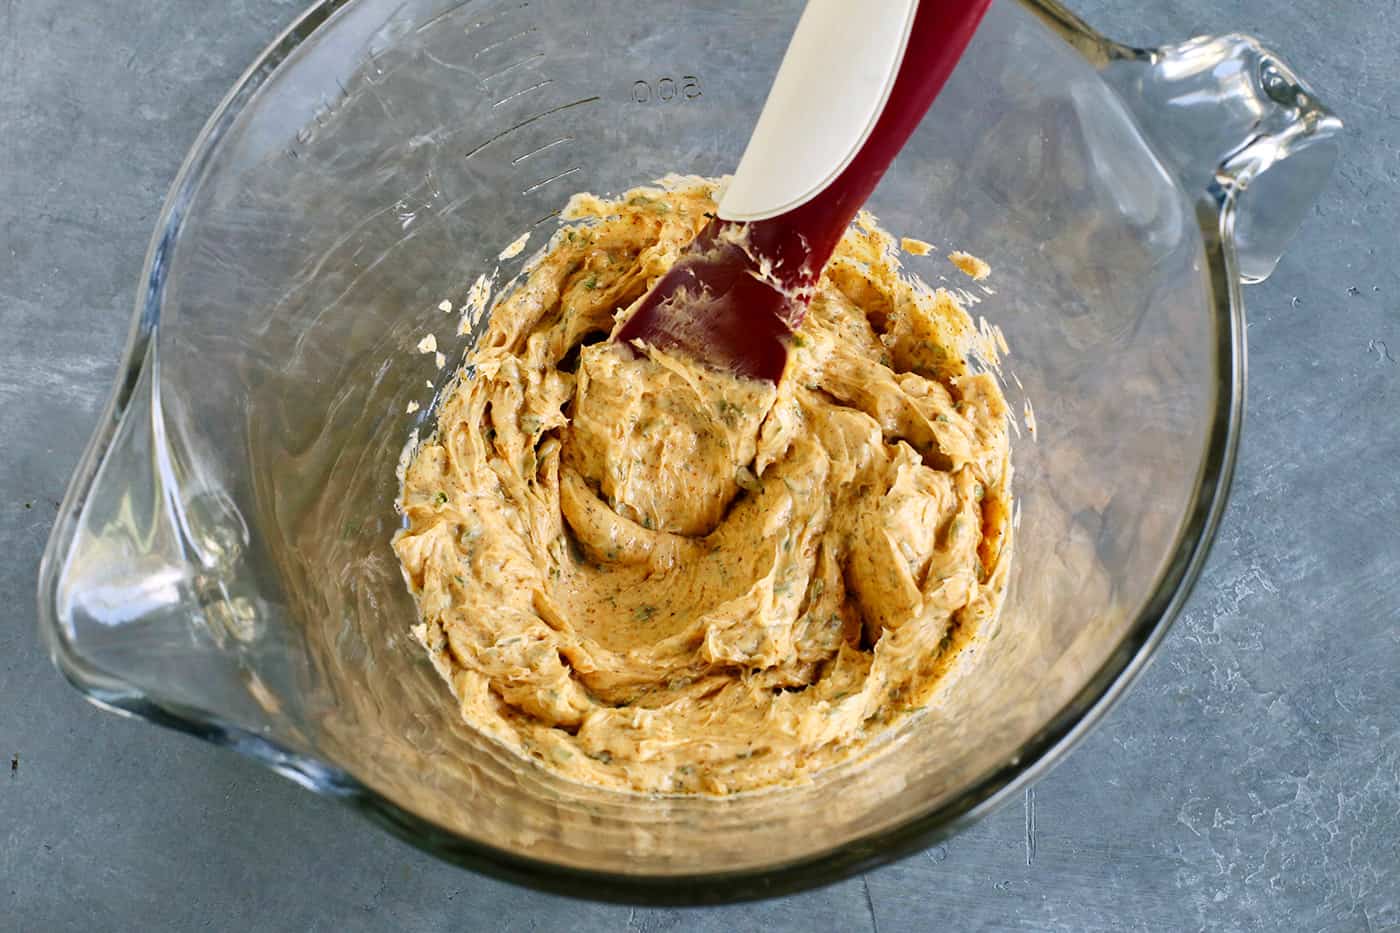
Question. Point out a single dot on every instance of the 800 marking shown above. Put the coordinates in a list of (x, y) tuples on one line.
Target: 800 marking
[(666, 89)]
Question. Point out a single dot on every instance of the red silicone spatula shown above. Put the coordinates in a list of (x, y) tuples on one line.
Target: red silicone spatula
[(855, 82)]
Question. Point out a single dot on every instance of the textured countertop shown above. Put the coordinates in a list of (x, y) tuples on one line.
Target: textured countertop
[(1250, 781)]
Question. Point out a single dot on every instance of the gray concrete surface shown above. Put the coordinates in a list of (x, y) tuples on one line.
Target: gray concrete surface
[(1250, 782)]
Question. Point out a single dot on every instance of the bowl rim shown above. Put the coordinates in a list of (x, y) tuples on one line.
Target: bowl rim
[(1215, 213)]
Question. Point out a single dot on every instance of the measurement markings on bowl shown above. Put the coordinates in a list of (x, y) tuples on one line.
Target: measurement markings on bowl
[(532, 119), (511, 67), (550, 145), (552, 178), (534, 87), (429, 24), (441, 63), (470, 27), (666, 89), (491, 20), (500, 42)]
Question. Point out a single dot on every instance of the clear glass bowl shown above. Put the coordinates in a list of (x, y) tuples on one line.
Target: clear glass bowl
[(221, 564)]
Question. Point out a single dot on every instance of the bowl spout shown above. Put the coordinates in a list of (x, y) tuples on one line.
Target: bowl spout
[(147, 600)]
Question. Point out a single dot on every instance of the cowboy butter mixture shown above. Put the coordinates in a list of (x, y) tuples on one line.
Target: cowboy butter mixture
[(645, 574)]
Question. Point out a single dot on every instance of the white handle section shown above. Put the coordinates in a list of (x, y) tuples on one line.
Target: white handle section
[(829, 92)]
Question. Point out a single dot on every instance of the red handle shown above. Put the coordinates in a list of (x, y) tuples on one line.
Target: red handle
[(800, 242), (747, 315)]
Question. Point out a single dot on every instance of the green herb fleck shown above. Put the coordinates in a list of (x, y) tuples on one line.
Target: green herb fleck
[(651, 204), (729, 411), (644, 613), (440, 499), (591, 282), (942, 418), (978, 492)]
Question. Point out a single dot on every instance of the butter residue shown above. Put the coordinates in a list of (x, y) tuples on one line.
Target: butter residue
[(515, 248), (970, 264), (475, 306)]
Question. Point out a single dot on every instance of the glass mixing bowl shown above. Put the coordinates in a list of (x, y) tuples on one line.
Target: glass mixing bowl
[(221, 564)]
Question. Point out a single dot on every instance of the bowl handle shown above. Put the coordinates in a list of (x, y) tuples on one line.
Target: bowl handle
[(1230, 119), (1235, 122)]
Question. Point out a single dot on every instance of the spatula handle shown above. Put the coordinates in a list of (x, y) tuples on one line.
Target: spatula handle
[(856, 81), (829, 92)]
